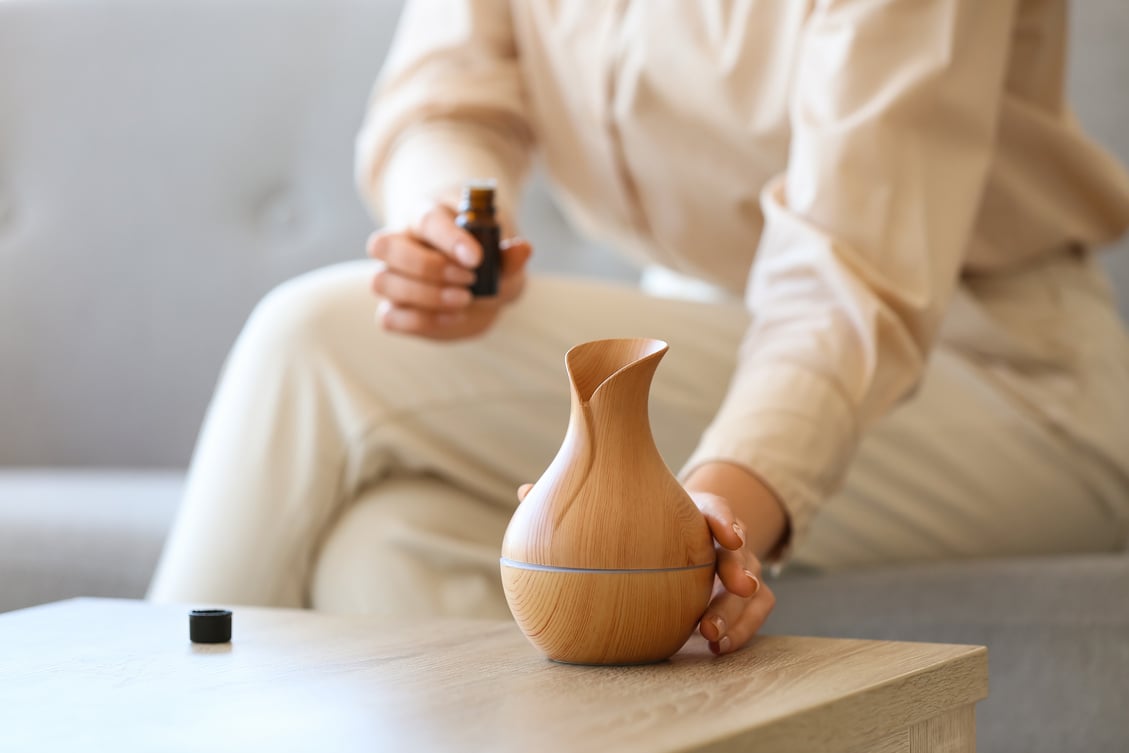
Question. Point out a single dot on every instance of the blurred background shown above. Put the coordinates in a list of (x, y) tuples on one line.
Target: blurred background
[(163, 164)]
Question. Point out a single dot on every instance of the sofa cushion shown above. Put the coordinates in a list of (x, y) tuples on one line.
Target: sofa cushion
[(67, 533), (162, 166), (1056, 628)]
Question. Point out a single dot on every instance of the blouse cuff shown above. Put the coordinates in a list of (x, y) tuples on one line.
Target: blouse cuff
[(793, 429)]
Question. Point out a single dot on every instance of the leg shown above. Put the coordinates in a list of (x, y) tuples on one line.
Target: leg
[(959, 471), (1009, 446), (318, 405), (413, 546)]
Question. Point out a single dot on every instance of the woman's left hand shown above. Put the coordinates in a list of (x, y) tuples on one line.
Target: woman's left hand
[(741, 601)]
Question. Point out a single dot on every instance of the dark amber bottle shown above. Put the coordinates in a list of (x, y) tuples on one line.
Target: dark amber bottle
[(476, 216)]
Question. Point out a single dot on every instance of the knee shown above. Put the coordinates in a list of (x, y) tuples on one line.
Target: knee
[(299, 317), (411, 547)]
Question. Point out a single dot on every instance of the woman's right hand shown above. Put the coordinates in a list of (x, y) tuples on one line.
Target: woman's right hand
[(423, 285)]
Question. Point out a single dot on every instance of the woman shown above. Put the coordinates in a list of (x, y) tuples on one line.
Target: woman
[(911, 353)]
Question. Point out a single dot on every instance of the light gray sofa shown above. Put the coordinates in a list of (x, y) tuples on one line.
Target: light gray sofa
[(164, 164)]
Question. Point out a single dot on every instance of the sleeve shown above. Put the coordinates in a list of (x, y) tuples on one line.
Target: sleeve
[(893, 113), (448, 106)]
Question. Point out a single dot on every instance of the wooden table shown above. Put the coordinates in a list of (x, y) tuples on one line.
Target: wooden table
[(92, 674)]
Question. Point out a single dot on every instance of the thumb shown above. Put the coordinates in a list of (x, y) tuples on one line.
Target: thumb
[(515, 255)]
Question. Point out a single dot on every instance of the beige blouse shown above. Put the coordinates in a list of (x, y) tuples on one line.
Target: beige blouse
[(864, 153)]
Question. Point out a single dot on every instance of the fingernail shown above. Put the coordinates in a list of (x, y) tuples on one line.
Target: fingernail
[(455, 296), (719, 624), (724, 644), (447, 318), (459, 275), (756, 583), (737, 529), (466, 255)]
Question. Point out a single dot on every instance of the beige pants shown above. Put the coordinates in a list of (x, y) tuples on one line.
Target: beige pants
[(353, 470)]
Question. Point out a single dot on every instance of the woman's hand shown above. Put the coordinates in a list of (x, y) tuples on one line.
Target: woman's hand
[(741, 601), (427, 270)]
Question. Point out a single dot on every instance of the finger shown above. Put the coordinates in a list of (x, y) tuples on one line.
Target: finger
[(740, 618), (408, 292), (374, 240), (515, 256), (412, 258), (726, 613), (516, 253), (522, 491), (437, 228), (738, 571), (437, 325), (724, 526)]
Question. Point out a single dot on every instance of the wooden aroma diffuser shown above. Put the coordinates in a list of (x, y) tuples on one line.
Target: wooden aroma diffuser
[(607, 560)]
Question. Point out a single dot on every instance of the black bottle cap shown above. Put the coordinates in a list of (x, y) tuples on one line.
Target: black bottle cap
[(209, 626)]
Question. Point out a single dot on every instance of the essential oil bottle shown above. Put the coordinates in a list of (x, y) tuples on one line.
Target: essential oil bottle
[(477, 217)]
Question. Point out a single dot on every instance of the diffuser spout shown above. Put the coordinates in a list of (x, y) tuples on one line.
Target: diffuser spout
[(629, 364)]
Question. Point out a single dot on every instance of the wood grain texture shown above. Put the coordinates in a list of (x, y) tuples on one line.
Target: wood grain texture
[(895, 743), (953, 731), (115, 675), (608, 501), (629, 617)]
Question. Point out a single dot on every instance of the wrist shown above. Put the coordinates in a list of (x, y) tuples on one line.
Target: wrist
[(754, 503)]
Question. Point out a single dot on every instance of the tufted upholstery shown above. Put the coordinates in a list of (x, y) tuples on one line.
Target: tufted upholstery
[(162, 166), (159, 169)]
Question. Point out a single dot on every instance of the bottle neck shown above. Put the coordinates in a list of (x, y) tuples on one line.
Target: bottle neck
[(478, 202), (477, 216)]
